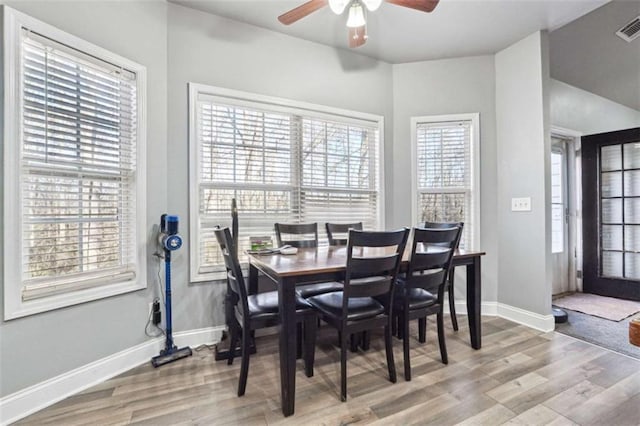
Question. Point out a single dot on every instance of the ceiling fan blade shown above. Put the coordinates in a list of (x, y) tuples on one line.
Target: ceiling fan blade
[(422, 5), (301, 11), (357, 36)]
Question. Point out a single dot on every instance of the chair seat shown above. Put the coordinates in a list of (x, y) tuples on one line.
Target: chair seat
[(267, 303), (310, 290), (359, 307), (418, 298)]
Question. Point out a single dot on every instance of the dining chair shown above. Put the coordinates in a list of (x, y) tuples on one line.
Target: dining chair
[(450, 282), (300, 235), (307, 237), (373, 259), (420, 292), (338, 232), (252, 312)]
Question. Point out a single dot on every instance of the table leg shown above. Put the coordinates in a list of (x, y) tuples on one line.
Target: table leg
[(473, 302), (287, 307)]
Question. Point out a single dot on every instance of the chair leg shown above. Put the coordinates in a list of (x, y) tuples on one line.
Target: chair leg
[(343, 367), (422, 329), (394, 324), (310, 329), (400, 320), (233, 341), (405, 347), (388, 344), (452, 304), (441, 341), (244, 366), (366, 340), (354, 341)]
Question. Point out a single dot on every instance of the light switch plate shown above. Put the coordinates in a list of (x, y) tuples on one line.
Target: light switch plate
[(522, 204)]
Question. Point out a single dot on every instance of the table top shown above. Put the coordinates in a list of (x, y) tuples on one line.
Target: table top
[(326, 260)]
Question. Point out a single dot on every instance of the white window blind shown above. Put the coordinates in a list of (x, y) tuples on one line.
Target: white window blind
[(444, 176), (282, 164), (77, 169)]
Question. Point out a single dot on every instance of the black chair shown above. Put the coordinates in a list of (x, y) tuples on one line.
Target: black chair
[(420, 292), (252, 312), (300, 235), (343, 230), (372, 268), (450, 281), (308, 233)]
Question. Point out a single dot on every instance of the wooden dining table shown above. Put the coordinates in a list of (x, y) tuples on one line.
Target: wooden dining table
[(329, 264)]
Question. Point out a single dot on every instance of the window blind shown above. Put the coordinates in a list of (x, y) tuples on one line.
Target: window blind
[(281, 165), (77, 168), (444, 174)]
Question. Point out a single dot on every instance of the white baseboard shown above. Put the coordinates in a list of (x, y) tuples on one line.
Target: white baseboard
[(536, 321), (486, 308), (34, 398), (539, 322)]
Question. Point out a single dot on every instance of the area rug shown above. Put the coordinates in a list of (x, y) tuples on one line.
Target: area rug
[(599, 306)]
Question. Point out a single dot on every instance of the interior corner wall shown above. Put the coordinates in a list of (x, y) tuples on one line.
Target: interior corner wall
[(208, 49), (523, 152), (42, 346), (581, 111), (449, 86)]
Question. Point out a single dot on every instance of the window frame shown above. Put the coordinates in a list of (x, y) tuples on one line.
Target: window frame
[(474, 150), (14, 307), (278, 104)]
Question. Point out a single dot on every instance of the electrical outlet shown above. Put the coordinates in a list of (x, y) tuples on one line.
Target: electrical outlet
[(521, 204)]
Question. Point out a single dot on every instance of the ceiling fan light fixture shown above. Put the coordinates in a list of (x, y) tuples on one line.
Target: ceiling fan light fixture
[(338, 6), (356, 16), (372, 5)]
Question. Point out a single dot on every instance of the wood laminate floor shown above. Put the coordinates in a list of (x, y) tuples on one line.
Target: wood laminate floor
[(520, 376)]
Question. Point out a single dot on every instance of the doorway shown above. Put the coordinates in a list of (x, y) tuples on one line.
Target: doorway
[(563, 212)]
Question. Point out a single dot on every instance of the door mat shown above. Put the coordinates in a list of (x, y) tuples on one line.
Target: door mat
[(599, 306)]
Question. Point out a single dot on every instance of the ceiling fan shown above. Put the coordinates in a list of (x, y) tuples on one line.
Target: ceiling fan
[(356, 22)]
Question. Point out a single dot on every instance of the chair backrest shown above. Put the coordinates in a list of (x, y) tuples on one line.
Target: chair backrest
[(338, 233), (431, 256), (234, 271), (373, 260), (300, 235), (444, 225)]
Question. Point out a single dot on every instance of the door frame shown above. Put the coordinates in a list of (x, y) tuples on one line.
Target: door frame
[(590, 207), (574, 200)]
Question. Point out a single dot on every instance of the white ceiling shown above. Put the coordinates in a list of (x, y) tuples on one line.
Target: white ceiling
[(396, 34)]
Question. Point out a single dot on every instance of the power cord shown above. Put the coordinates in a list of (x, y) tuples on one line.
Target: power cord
[(160, 332)]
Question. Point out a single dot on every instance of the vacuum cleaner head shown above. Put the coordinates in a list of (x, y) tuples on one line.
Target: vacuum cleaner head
[(173, 354)]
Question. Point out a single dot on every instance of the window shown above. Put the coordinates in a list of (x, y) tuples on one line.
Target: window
[(446, 172), (283, 161), (74, 177)]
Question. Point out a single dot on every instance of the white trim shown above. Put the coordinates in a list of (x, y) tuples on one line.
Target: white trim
[(34, 398), (14, 306), (533, 320), (222, 95), (475, 166)]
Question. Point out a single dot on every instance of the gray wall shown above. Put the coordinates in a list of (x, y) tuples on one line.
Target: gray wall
[(524, 269), (586, 53), (450, 86), (579, 110), (209, 49), (42, 346)]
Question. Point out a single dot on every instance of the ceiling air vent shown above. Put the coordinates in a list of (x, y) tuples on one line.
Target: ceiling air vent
[(631, 31)]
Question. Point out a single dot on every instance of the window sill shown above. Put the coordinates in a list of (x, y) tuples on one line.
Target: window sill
[(44, 304)]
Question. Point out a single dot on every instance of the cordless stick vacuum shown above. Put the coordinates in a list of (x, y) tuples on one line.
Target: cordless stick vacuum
[(170, 241)]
